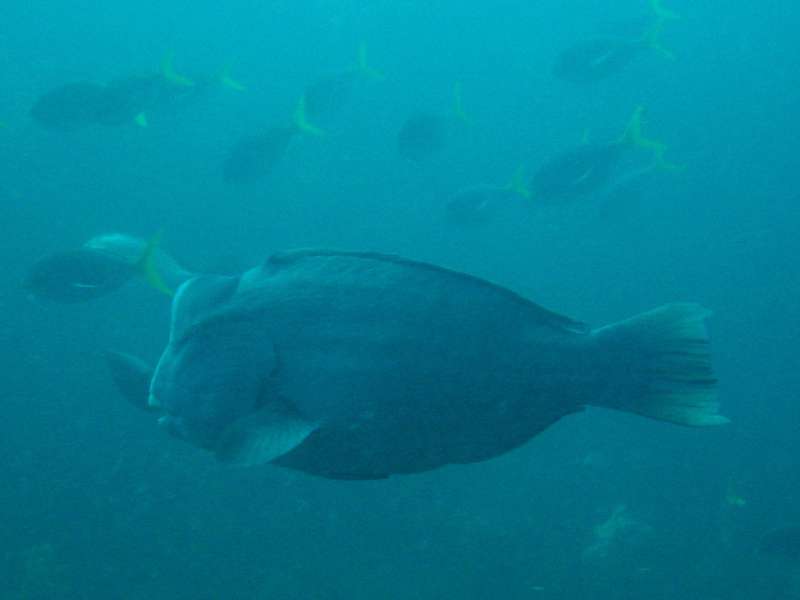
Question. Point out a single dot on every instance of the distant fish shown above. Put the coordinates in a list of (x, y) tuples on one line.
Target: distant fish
[(594, 60), (424, 134), (126, 100), (101, 266), (782, 542), (325, 98), (70, 106), (253, 157), (589, 167), (421, 136), (77, 276), (480, 204)]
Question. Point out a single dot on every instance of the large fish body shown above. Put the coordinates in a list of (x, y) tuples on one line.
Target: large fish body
[(362, 366)]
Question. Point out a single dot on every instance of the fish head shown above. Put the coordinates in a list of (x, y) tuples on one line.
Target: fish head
[(215, 366)]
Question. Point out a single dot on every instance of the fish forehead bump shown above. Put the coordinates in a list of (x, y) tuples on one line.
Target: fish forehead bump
[(197, 298)]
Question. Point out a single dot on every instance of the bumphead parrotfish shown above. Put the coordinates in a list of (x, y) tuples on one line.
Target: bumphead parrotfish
[(360, 366)]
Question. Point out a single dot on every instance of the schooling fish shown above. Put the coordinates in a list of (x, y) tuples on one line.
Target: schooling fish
[(479, 204), (589, 167), (77, 276), (104, 264), (422, 136), (360, 366), (253, 157), (70, 106), (594, 60), (325, 97), (783, 542)]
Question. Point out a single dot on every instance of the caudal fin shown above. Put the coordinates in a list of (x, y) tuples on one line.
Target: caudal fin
[(169, 74), (459, 112), (661, 366), (226, 80), (147, 267), (301, 121), (518, 184), (652, 37), (634, 137), (364, 68)]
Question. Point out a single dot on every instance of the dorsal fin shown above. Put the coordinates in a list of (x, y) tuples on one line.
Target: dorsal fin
[(285, 259)]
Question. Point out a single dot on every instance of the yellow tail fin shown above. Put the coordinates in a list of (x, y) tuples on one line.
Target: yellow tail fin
[(458, 104), (652, 37), (229, 82), (634, 137), (663, 14), (301, 119), (168, 72), (364, 68), (147, 268), (519, 185)]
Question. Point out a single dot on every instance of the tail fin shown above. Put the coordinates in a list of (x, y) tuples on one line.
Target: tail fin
[(652, 37), (364, 68), (634, 137), (301, 121), (519, 185), (458, 104), (146, 266), (229, 82), (666, 362), (168, 72), (662, 13)]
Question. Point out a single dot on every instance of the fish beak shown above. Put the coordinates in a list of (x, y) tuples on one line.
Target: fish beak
[(153, 402)]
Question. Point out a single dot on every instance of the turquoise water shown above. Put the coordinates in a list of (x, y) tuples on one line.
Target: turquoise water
[(97, 502)]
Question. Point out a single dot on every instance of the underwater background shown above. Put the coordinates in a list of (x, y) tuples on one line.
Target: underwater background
[(96, 502)]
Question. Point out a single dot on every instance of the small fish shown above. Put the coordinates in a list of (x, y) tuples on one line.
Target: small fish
[(594, 60), (422, 136), (103, 265), (587, 168), (71, 106), (253, 157), (481, 203), (782, 542), (77, 276), (325, 98)]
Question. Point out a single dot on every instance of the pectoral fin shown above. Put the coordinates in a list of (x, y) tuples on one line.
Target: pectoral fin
[(263, 436), (132, 377)]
